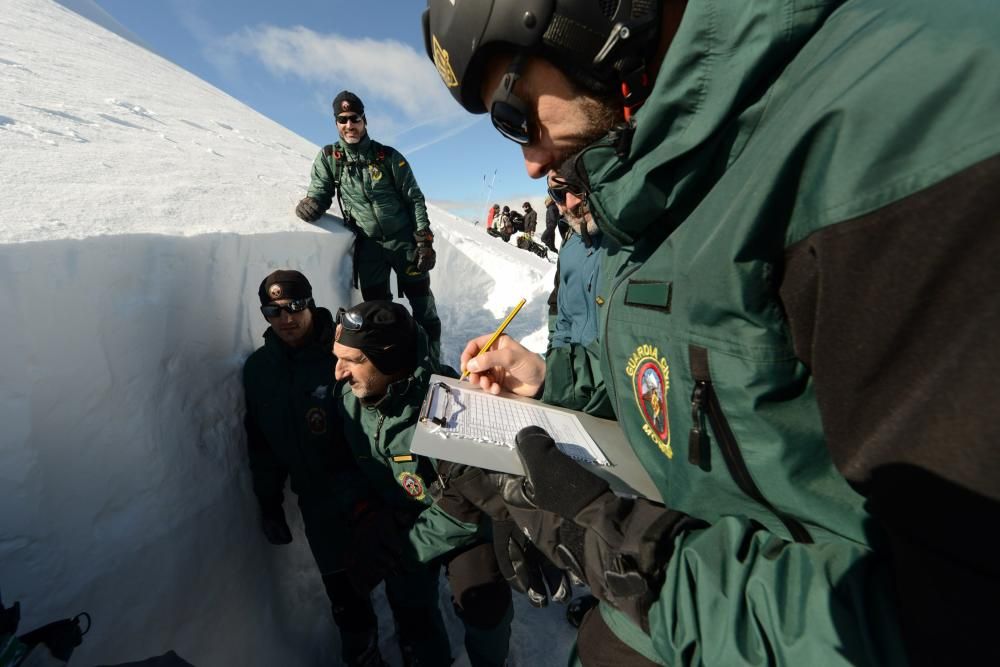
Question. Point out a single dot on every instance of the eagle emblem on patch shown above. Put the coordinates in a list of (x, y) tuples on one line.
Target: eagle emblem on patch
[(274, 291), (650, 378), (412, 484), (316, 421), (442, 61)]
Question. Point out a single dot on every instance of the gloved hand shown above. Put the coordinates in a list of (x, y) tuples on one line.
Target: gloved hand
[(426, 258), (618, 546), (526, 569), (465, 493), (309, 210), (272, 522), (376, 548)]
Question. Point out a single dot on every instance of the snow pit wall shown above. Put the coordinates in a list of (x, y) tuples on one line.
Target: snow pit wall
[(126, 492)]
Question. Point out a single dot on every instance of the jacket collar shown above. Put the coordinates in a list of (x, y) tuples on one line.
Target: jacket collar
[(358, 150), (711, 89)]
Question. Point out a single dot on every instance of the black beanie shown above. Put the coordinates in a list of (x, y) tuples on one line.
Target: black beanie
[(388, 335), (346, 102), (284, 284)]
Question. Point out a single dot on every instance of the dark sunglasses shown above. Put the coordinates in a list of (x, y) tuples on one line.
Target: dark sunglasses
[(344, 120), (350, 320), (560, 188), (508, 112), (296, 306)]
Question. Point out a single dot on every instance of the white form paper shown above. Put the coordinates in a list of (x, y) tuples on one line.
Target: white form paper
[(487, 418)]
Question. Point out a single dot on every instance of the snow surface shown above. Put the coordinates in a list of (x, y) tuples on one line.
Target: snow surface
[(140, 209)]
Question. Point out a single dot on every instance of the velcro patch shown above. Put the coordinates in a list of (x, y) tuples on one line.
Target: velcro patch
[(649, 294)]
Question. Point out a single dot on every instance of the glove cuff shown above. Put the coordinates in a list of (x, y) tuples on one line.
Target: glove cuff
[(424, 237)]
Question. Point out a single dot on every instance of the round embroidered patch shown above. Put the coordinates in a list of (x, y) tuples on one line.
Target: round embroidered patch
[(412, 484), (316, 420), (650, 377)]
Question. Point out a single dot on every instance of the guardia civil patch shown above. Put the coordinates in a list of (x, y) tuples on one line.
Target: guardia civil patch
[(650, 377), (442, 61), (375, 172), (412, 484), (316, 420)]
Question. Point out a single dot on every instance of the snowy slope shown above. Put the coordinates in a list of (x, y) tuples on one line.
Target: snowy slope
[(139, 209)]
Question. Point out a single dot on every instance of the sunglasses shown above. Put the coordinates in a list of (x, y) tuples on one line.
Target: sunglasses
[(295, 306), (508, 112), (559, 188), (344, 120), (350, 320)]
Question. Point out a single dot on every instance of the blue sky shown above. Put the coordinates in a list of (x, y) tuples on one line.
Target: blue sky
[(288, 58)]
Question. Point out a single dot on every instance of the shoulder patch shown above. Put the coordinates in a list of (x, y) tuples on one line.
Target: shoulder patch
[(412, 484), (402, 163)]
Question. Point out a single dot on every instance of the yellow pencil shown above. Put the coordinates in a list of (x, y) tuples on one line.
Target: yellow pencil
[(496, 334)]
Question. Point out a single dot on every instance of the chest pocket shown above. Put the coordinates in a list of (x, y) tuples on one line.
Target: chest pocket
[(668, 402)]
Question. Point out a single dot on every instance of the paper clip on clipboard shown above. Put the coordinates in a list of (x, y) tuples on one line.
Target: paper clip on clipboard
[(437, 417)]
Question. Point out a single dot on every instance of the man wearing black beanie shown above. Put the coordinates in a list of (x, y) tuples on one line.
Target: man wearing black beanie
[(293, 434), (384, 369), (382, 203)]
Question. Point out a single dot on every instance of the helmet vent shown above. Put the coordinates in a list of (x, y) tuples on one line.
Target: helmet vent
[(609, 7)]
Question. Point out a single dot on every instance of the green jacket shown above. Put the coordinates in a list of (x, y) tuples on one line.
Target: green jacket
[(377, 187), (768, 353), (293, 433), (379, 436)]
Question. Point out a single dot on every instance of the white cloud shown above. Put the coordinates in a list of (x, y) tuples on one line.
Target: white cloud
[(382, 72)]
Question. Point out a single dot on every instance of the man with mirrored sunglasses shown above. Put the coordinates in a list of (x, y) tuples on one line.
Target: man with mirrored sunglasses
[(802, 229), (293, 434), (382, 203)]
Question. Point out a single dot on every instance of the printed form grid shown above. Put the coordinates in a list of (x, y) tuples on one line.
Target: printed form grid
[(496, 420)]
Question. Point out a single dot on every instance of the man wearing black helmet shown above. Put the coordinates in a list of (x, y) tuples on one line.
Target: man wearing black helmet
[(800, 226), (292, 434), (383, 368), (383, 204)]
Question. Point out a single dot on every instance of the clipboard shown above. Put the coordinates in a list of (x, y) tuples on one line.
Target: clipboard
[(440, 433)]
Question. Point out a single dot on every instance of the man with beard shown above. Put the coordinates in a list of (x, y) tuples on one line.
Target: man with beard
[(383, 205), (291, 434), (801, 229), (384, 367)]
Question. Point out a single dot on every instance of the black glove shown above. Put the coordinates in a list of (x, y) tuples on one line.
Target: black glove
[(426, 258), (60, 637), (465, 493), (309, 210), (618, 546), (377, 548), (272, 521), (526, 569)]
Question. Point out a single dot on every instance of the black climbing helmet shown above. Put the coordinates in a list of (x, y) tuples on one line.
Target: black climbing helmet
[(600, 44)]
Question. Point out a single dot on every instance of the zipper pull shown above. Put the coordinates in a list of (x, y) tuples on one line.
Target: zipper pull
[(697, 436)]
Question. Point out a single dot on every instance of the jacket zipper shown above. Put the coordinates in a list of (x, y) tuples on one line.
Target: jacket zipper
[(704, 401), (378, 435)]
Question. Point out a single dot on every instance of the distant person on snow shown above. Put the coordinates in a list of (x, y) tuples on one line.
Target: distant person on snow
[(292, 433), (383, 205), (530, 219), (491, 215), (504, 225), (553, 219)]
